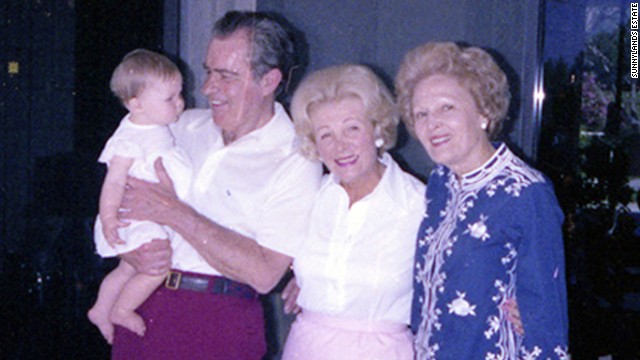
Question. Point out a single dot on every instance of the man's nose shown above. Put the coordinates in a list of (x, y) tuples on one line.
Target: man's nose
[(210, 85)]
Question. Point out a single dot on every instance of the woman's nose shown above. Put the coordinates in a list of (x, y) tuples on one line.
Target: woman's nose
[(431, 122), (342, 143)]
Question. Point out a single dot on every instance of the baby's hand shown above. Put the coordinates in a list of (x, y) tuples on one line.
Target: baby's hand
[(110, 228)]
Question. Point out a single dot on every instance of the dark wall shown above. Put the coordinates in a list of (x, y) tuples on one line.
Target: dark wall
[(55, 101), (36, 100), (56, 113), (106, 31)]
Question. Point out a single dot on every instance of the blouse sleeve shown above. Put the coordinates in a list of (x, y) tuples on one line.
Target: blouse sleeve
[(541, 287)]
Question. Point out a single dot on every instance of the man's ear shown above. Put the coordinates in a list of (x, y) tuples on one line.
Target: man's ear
[(270, 81)]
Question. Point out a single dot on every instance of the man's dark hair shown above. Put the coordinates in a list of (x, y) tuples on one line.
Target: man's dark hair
[(271, 43)]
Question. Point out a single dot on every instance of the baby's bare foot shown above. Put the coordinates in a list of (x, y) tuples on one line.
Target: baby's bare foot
[(100, 318), (128, 319)]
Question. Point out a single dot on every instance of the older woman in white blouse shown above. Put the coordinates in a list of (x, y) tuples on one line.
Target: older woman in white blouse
[(354, 268)]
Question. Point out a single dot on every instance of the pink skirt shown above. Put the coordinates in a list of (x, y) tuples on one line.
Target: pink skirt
[(315, 336)]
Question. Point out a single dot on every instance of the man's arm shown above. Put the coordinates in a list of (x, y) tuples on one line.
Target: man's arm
[(235, 256), (232, 254)]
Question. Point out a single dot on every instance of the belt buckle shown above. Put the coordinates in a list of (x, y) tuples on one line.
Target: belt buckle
[(173, 280)]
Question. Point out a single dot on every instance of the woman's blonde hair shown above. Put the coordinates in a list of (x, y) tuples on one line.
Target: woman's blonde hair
[(473, 67), (337, 83)]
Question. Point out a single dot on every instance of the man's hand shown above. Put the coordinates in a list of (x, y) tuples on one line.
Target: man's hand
[(143, 200), (510, 306), (153, 258), (290, 296)]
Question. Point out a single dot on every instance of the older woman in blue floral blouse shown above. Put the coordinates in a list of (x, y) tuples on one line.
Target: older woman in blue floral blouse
[(492, 228)]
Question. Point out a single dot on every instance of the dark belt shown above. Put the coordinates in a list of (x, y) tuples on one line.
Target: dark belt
[(177, 280)]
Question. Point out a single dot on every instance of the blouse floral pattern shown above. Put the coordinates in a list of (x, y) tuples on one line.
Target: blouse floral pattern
[(493, 234)]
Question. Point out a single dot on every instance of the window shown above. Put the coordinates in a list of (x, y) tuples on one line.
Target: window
[(590, 147)]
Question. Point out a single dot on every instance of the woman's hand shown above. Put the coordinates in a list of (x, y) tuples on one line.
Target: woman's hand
[(143, 200), (153, 258), (510, 306), (290, 296)]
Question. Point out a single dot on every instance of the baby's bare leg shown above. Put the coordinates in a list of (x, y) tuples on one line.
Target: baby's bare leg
[(134, 293), (110, 289)]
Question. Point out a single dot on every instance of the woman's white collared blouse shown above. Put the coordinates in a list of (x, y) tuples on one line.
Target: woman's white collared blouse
[(357, 262)]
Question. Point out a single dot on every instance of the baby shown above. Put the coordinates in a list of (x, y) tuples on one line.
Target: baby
[(149, 85)]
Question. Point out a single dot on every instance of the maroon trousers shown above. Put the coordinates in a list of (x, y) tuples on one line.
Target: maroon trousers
[(184, 324)]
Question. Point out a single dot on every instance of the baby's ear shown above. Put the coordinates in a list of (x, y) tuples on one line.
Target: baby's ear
[(133, 105)]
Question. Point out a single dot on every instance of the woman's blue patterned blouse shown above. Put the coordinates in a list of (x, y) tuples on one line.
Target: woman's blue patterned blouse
[(494, 234)]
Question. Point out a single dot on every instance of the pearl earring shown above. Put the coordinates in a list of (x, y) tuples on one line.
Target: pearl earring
[(379, 142), (484, 126)]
